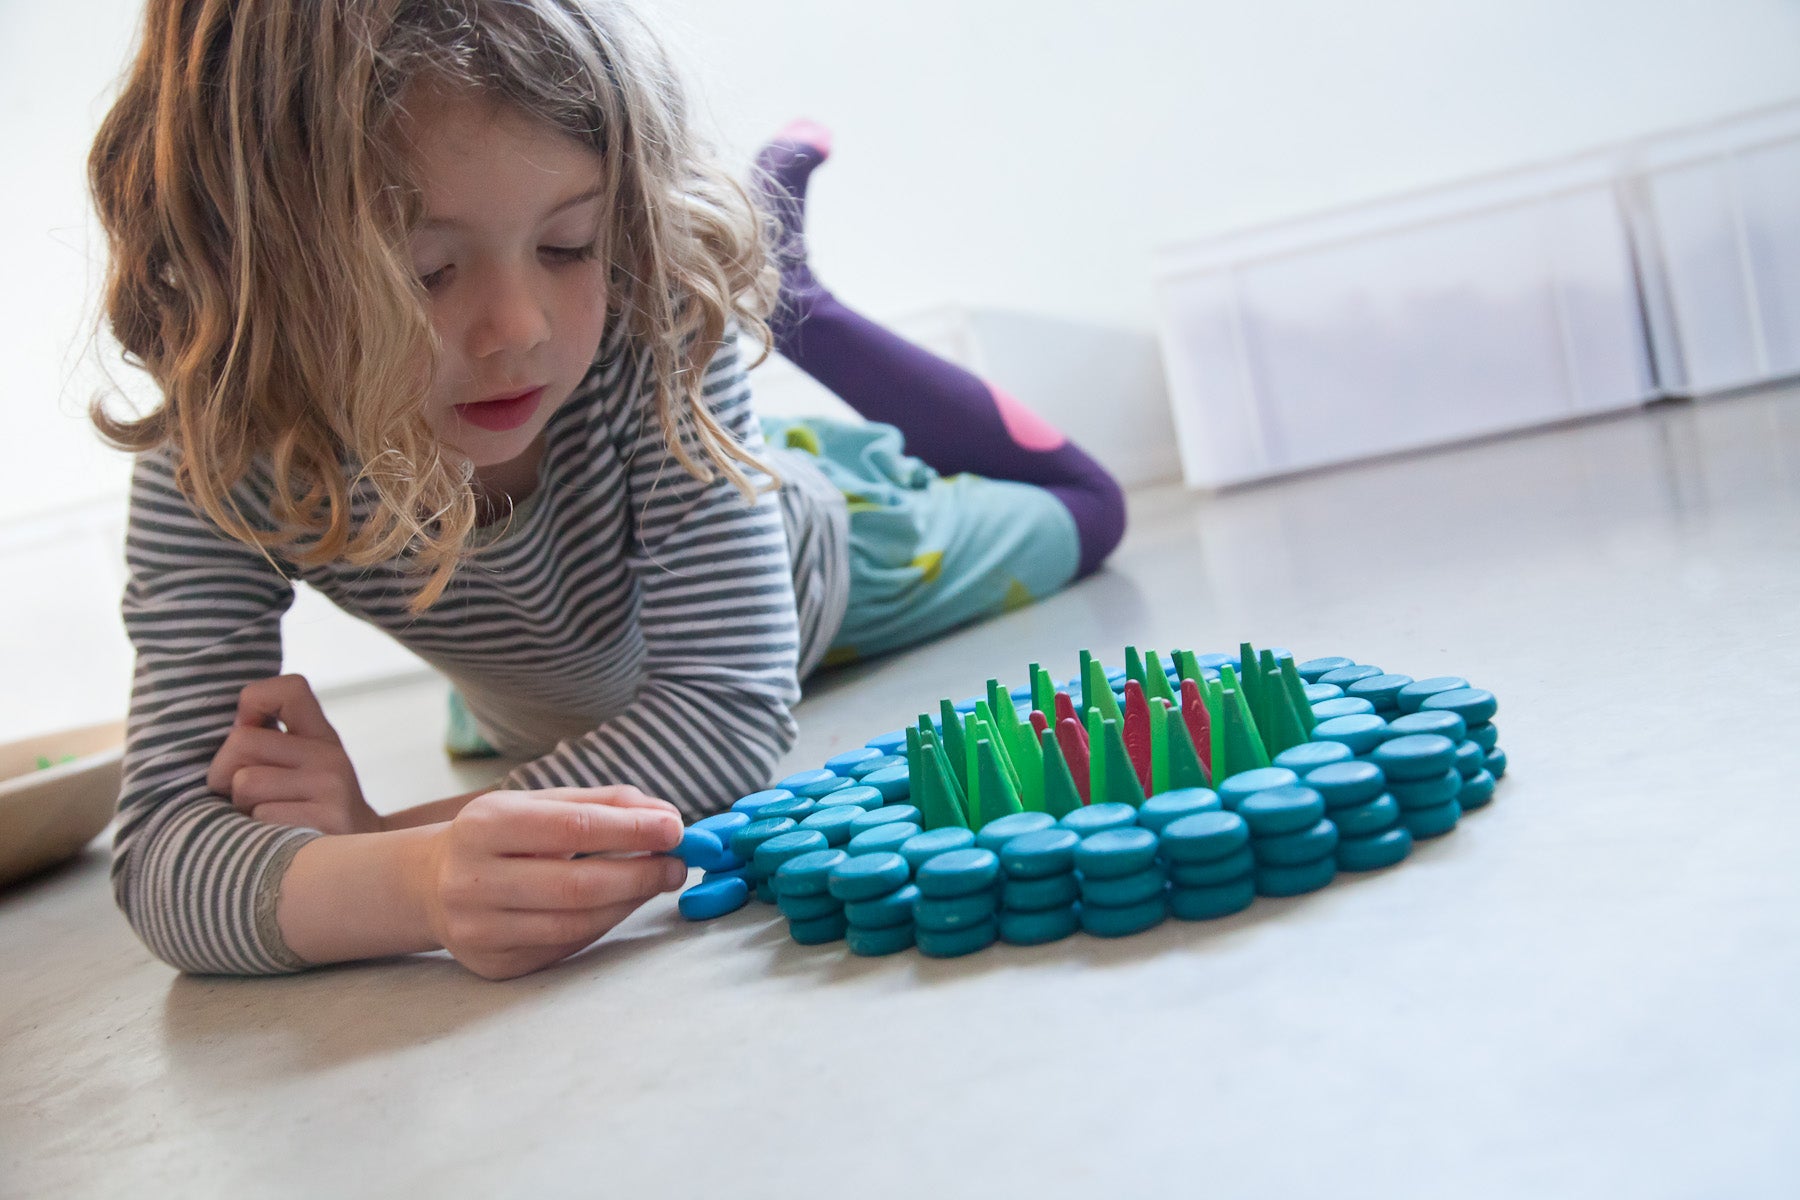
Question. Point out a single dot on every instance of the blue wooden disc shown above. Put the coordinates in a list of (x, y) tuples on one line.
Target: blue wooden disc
[(1496, 762), (1361, 733), (873, 943), (1207, 903), (1115, 853), (1318, 693), (1415, 693), (834, 823), (1164, 807), (1039, 855), (1021, 694), (1100, 921), (1282, 810), (1296, 849), (753, 804), (1345, 676), (884, 911), (1427, 793), (800, 779), (1343, 706), (1414, 756), (1382, 691), (967, 707), (713, 898), (1445, 724), (1097, 818), (1473, 705), (785, 846), (1374, 853), (806, 874), (1310, 756), (797, 808), (997, 833), (1297, 880), (845, 764), (889, 743), (738, 872), (807, 908), (958, 873), (1346, 783), (942, 914), (1313, 668), (866, 876), (764, 893), (893, 783), (1234, 788), (1431, 822), (812, 791), (1032, 895), (1476, 791), (1470, 760), (1039, 927), (1239, 864), (882, 839), (881, 763), (1486, 735), (745, 841), (723, 825), (1204, 837), (857, 795), (701, 848), (1212, 662), (818, 931), (921, 847), (958, 943), (885, 815), (1124, 890), (1368, 819)]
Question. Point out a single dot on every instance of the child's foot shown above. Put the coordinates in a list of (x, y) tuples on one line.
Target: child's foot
[(784, 166)]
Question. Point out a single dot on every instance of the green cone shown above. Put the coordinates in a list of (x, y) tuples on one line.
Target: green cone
[(1185, 768), (1060, 795), (998, 798), (1122, 784), (1296, 690)]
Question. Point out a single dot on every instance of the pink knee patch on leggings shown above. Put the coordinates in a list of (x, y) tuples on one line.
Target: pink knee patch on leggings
[(1025, 427)]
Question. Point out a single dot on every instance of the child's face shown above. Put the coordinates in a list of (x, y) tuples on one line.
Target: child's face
[(507, 252)]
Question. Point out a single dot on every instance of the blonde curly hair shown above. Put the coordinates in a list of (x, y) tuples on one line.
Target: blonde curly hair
[(256, 204)]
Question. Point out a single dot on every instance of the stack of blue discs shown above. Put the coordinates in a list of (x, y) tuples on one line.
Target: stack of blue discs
[(957, 902), (1124, 888), (863, 770), (847, 763), (1361, 732), (1345, 676), (1310, 756), (814, 915), (1370, 834), (878, 902), (1414, 694), (753, 804), (920, 848), (833, 820), (1212, 872), (748, 840), (777, 850), (996, 833), (724, 888), (1155, 813), (1293, 841), (1314, 669), (1423, 779), (1476, 707), (892, 742), (1037, 896), (894, 783)]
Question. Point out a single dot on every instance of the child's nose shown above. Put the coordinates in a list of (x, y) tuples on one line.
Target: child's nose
[(512, 317)]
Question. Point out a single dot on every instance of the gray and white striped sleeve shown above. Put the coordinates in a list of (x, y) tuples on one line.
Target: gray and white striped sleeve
[(718, 619), (196, 878)]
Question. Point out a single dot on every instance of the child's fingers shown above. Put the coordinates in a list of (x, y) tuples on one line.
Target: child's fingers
[(622, 795), (254, 787), (287, 699), (524, 823), (250, 747), (570, 931), (562, 884)]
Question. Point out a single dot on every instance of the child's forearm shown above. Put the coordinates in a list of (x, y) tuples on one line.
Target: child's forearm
[(357, 896), (430, 813)]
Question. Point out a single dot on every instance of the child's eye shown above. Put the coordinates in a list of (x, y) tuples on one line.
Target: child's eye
[(570, 254), (436, 279)]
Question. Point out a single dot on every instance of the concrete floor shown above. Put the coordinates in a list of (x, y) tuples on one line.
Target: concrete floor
[(1588, 990)]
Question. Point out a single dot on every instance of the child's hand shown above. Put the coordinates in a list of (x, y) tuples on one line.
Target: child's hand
[(503, 893), (283, 762)]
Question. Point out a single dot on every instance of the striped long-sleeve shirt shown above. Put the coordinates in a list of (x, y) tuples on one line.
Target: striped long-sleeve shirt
[(628, 625)]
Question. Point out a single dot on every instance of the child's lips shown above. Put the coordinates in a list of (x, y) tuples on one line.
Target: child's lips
[(502, 412)]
